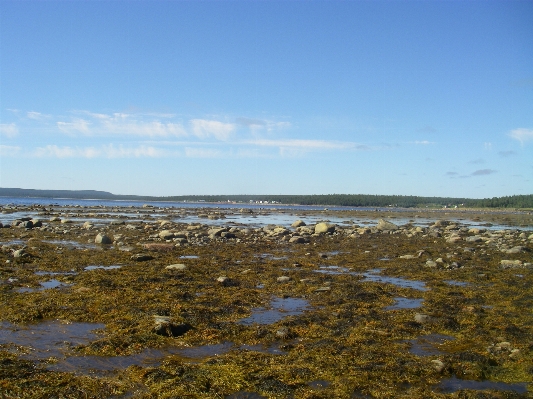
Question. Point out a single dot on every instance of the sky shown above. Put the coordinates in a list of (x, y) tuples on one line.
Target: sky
[(428, 98)]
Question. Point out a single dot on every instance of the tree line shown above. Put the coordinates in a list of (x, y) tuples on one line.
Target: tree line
[(353, 200)]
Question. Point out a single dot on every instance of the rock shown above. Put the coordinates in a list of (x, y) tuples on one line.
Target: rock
[(323, 289), (66, 221), (164, 326), (166, 235), (516, 250), (20, 253), (437, 365), (407, 257), (507, 264), (423, 318), (324, 228), (515, 354), (216, 232), (226, 281), (384, 225), (87, 225), (177, 266), (297, 240), (298, 223), (160, 247), (431, 263), (473, 238), (141, 257), (284, 333), (103, 239), (453, 239), (55, 219), (36, 223), (283, 279)]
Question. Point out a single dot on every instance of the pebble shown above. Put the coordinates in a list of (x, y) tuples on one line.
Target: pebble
[(177, 266), (283, 279)]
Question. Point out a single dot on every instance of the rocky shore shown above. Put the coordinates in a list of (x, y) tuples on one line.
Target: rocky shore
[(276, 303)]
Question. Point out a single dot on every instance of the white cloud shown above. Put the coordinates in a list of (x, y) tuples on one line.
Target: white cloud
[(521, 135), (8, 150), (8, 130), (423, 142), (37, 115), (306, 144), (74, 127), (106, 151), (203, 128)]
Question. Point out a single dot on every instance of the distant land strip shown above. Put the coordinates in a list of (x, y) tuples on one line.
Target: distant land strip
[(355, 200)]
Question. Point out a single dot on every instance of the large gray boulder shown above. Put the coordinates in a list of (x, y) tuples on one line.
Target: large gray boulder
[(324, 228), (385, 225)]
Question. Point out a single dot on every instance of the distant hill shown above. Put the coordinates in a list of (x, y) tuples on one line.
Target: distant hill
[(354, 200)]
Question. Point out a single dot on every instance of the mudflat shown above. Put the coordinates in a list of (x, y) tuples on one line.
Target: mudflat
[(151, 302)]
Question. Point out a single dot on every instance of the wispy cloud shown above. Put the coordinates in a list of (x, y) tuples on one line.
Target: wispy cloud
[(204, 128), (506, 154), (308, 144), (423, 142), (106, 151), (37, 115), (8, 129), (9, 150), (75, 127), (483, 172), (521, 135), (451, 173)]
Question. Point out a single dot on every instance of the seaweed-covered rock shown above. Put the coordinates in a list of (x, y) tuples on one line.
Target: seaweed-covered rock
[(385, 225), (103, 239), (164, 326)]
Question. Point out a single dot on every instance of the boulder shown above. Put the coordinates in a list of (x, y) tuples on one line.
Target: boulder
[(385, 225), (297, 240), (166, 235), (103, 239), (298, 223), (324, 228)]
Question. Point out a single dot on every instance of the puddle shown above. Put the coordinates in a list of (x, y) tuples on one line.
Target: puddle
[(457, 283), (332, 270), (405, 303), (279, 308), (189, 257), (102, 267), (151, 357), (372, 275), (46, 285), (454, 384), (50, 338), (427, 345), (271, 257), (70, 244), (43, 273)]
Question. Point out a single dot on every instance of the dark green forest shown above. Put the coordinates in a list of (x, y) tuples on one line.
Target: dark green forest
[(351, 200)]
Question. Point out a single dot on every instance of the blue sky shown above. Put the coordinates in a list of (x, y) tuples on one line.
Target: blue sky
[(422, 98)]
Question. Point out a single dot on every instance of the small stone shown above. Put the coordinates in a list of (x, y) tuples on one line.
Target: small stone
[(166, 235), (297, 240), (423, 318), (407, 257), (103, 239), (473, 239), (505, 263), (177, 266), (515, 354), (431, 263), (283, 279), (20, 253), (298, 223), (141, 257), (323, 289), (437, 365)]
